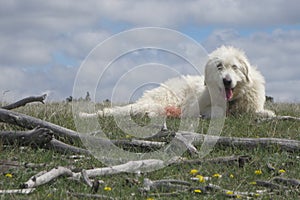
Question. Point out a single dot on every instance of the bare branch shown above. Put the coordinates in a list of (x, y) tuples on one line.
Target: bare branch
[(286, 181), (6, 165), (268, 184), (228, 160), (37, 137), (46, 177), (29, 122), (283, 118), (85, 178), (25, 101), (284, 144), (236, 194), (131, 166), (62, 147), (17, 191), (165, 185)]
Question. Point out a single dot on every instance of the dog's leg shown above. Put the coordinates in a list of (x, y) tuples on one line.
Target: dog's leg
[(151, 110), (111, 111), (266, 113)]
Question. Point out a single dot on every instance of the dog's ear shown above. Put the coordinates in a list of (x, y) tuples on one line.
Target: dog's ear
[(245, 69), (210, 68)]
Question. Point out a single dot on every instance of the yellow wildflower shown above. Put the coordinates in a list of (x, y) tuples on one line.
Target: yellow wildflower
[(197, 191), (149, 198), (253, 183), (281, 171), (217, 175), (238, 196), (229, 192), (258, 172), (194, 171), (257, 195), (201, 178), (107, 188), (231, 176), (9, 175)]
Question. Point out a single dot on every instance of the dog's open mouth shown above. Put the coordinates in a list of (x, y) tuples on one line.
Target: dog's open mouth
[(228, 94)]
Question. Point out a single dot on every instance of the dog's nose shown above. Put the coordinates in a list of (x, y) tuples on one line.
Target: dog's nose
[(227, 82)]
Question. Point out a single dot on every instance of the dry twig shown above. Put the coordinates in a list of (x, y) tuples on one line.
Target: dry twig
[(43, 178), (17, 191), (283, 118), (25, 101)]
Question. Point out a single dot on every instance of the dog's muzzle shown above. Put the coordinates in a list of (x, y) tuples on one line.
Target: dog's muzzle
[(228, 88)]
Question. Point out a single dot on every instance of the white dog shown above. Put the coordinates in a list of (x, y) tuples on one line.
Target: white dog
[(229, 80)]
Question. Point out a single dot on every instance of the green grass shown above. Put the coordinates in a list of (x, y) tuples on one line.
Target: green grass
[(237, 126)]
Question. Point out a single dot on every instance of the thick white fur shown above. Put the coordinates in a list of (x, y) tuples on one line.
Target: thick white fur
[(194, 94)]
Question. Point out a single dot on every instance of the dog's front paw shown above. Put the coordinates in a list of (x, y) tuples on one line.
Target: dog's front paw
[(266, 114), (90, 115)]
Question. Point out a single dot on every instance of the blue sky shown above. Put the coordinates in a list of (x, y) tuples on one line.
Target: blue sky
[(43, 44)]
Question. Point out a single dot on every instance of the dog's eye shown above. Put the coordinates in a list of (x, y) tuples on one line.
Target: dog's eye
[(219, 66), (234, 67)]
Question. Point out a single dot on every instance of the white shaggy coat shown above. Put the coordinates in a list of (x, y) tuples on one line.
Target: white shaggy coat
[(229, 80)]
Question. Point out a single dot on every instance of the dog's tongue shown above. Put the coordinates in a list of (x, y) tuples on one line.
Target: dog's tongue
[(229, 93)]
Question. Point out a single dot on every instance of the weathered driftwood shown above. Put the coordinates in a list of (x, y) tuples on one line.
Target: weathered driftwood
[(62, 147), (188, 138), (85, 178), (94, 184), (231, 193), (39, 137), (166, 185), (268, 184), (6, 165), (286, 181), (25, 101), (29, 122), (143, 145), (283, 118), (131, 166), (283, 144), (46, 177), (174, 187), (226, 160), (35, 137), (17, 191), (141, 165)]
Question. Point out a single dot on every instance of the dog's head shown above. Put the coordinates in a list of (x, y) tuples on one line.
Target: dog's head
[(227, 70)]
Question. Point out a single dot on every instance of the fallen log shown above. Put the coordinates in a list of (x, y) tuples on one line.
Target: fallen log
[(38, 180), (131, 166), (37, 137), (283, 144), (25, 121), (25, 101)]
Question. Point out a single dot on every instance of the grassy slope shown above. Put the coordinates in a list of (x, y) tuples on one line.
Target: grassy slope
[(240, 126)]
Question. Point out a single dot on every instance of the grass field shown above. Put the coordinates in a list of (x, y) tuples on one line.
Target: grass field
[(126, 186)]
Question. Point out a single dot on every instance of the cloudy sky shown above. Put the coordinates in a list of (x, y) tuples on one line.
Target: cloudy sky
[(44, 43)]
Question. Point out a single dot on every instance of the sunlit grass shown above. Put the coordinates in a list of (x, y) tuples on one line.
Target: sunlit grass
[(231, 177)]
